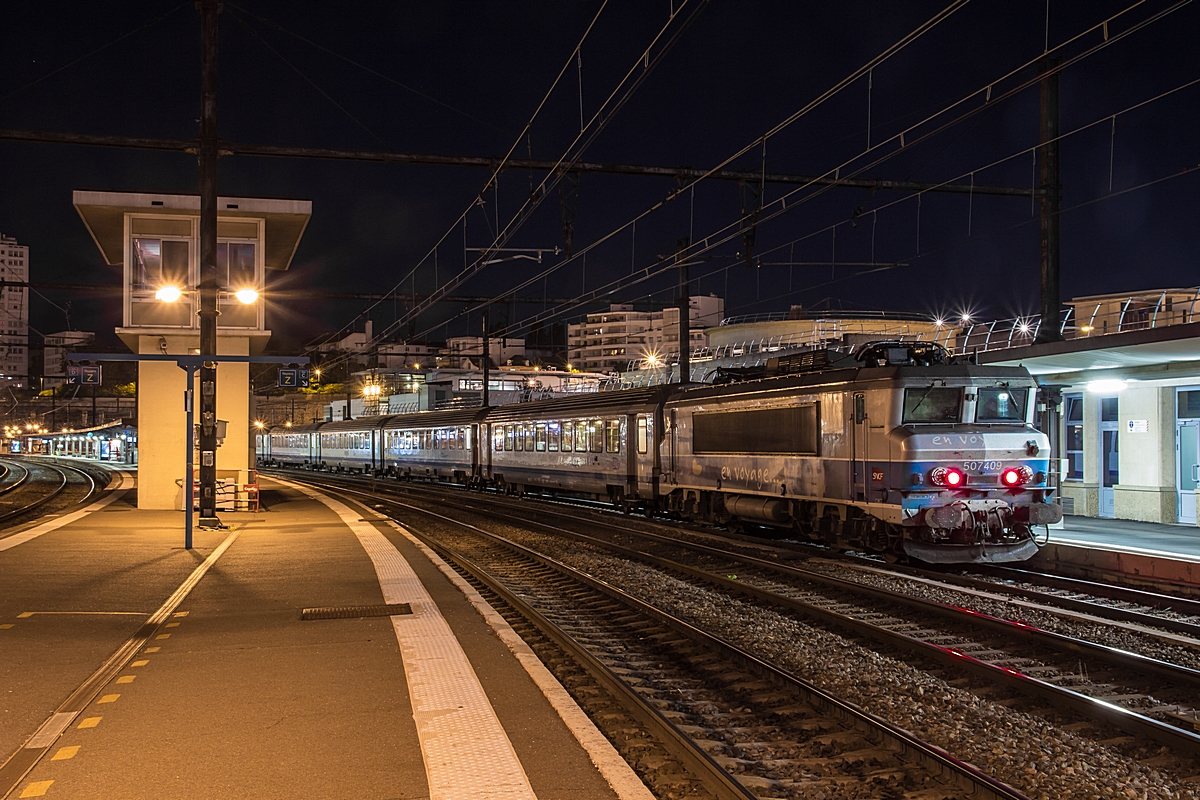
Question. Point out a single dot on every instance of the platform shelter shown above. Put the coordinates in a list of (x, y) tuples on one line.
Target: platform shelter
[(1129, 376), (155, 238)]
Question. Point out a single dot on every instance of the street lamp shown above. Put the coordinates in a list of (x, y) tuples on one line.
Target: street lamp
[(246, 296)]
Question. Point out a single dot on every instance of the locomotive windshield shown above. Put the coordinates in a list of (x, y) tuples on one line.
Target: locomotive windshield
[(933, 404), (1001, 405)]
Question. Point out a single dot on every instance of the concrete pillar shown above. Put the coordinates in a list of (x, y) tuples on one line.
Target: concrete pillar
[(1146, 490), (161, 434)]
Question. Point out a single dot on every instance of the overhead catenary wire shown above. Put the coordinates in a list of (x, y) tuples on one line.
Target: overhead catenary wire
[(574, 151), (761, 140), (729, 232), (496, 171)]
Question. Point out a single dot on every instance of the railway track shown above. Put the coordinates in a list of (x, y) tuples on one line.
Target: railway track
[(1113, 692), (40, 484)]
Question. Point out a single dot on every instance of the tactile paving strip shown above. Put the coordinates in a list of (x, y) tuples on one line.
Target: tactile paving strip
[(465, 749)]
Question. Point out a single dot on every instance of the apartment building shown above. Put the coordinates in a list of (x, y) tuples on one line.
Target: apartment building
[(609, 340), (14, 313)]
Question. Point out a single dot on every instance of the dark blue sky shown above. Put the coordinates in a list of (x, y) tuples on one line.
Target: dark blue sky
[(738, 70)]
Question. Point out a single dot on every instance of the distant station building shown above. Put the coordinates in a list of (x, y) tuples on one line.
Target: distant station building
[(14, 313), (607, 341), (155, 239)]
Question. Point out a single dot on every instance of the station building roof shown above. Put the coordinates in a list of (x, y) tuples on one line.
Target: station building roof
[(1168, 354), (104, 215)]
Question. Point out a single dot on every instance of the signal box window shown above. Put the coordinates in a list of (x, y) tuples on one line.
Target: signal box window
[(933, 404), (158, 263), (613, 437), (235, 265)]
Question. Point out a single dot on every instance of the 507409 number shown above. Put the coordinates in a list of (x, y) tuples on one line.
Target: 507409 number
[(982, 466)]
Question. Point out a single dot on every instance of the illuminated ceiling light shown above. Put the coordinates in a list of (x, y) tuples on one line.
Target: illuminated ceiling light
[(246, 296), (1106, 386), (168, 294)]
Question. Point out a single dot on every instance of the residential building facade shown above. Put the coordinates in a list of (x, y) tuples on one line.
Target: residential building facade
[(14, 313), (609, 340)]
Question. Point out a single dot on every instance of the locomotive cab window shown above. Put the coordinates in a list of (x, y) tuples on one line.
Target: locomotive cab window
[(933, 404), (1001, 405)]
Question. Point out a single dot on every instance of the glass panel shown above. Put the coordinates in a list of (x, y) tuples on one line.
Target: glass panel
[(520, 437), (597, 435), (1109, 471), (146, 269), (508, 437), (1189, 404), (1001, 405), (553, 430), (613, 445), (175, 264), (642, 438), (568, 435), (581, 429), (498, 438), (235, 264), (1189, 457), (1074, 408), (541, 436), (1108, 409), (935, 404)]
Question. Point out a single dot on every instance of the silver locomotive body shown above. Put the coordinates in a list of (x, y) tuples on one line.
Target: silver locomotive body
[(939, 462)]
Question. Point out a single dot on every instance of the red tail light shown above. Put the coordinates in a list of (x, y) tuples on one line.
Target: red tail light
[(1016, 476), (947, 476)]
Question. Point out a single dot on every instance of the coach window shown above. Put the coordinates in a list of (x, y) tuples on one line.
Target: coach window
[(520, 437), (597, 436), (568, 436), (581, 431), (553, 430), (508, 437), (541, 437), (613, 438), (642, 434), (498, 437)]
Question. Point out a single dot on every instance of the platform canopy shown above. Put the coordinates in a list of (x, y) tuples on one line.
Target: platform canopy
[(1170, 354), (104, 215)]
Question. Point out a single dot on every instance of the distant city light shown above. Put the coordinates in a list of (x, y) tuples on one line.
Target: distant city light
[(168, 294), (246, 296)]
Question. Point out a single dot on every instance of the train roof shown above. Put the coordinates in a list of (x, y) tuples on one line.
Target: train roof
[(362, 423), (904, 374), (307, 427), (436, 419), (627, 401)]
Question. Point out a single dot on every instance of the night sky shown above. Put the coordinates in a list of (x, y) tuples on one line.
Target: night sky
[(476, 71)]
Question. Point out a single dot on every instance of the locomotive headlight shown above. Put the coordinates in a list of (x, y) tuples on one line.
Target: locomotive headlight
[(947, 476)]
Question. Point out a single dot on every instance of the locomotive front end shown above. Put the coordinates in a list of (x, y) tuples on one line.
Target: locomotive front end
[(979, 486)]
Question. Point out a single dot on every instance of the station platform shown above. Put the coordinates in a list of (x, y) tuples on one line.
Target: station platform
[(1182, 540), (134, 668)]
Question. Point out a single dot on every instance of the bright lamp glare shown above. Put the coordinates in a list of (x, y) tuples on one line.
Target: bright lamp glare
[(168, 294), (246, 296)]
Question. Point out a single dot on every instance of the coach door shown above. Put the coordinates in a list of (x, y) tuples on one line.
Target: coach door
[(859, 438)]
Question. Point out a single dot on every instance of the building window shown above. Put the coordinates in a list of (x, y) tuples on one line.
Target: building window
[(1189, 404), (158, 263), (1108, 410), (1074, 436), (235, 265)]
